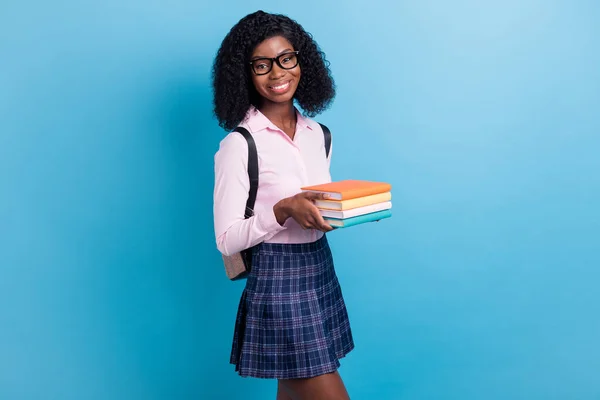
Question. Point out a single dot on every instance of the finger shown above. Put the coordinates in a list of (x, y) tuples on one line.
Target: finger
[(322, 224), (318, 221), (316, 196), (305, 220), (311, 223), (327, 227)]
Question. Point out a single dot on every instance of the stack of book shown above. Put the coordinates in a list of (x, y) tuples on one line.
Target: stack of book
[(353, 202)]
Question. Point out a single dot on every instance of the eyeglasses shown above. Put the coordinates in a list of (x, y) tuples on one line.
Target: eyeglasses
[(264, 65)]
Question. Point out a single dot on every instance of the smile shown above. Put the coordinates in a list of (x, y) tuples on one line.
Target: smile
[(280, 88)]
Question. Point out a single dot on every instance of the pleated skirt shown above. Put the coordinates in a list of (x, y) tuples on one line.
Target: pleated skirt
[(292, 321)]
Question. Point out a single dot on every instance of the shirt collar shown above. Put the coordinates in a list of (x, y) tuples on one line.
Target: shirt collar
[(257, 121)]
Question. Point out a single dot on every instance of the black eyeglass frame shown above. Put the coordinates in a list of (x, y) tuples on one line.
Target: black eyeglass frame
[(275, 60)]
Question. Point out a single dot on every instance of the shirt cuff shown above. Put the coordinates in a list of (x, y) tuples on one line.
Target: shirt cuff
[(268, 222)]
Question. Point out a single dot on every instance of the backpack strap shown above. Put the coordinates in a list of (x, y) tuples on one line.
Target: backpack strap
[(252, 170), (327, 134)]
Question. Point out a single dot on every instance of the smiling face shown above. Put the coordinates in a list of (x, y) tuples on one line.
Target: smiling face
[(279, 84)]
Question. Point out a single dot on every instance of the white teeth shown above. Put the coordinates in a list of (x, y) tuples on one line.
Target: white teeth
[(281, 86)]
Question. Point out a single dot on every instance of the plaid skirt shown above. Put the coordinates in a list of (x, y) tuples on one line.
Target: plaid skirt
[(292, 320)]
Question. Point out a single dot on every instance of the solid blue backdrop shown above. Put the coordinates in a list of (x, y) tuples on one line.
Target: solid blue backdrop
[(483, 115)]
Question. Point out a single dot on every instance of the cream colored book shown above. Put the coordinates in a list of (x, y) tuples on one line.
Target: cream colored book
[(355, 212), (353, 203)]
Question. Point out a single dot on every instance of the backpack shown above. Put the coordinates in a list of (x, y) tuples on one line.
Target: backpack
[(237, 266)]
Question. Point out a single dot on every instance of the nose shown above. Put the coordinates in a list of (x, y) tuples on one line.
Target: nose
[(276, 72)]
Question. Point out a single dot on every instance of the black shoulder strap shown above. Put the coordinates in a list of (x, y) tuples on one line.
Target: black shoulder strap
[(252, 170), (327, 134)]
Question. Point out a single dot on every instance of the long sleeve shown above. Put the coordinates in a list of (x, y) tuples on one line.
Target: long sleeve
[(233, 232)]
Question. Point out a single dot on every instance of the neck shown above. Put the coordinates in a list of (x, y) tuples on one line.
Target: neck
[(283, 115)]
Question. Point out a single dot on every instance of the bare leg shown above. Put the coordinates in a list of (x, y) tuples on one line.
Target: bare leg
[(282, 394), (324, 387)]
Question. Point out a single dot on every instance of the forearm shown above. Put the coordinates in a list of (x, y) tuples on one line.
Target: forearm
[(245, 233)]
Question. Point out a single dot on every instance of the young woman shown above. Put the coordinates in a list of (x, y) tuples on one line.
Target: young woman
[(292, 324)]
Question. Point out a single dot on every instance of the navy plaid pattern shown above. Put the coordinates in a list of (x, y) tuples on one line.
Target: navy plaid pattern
[(292, 320)]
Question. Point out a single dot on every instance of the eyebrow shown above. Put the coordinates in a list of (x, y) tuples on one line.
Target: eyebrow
[(282, 52)]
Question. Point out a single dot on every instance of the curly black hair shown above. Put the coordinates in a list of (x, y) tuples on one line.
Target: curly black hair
[(233, 90)]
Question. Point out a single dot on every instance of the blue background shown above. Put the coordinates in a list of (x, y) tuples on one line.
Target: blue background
[(484, 116)]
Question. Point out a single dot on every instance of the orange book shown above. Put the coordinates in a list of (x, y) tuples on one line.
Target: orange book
[(349, 189)]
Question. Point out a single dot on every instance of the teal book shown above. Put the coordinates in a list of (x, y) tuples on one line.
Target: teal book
[(361, 219)]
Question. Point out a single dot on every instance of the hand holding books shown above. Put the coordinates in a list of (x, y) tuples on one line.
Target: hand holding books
[(353, 202), (301, 208)]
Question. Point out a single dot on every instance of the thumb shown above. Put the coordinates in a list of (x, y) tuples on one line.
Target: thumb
[(316, 196)]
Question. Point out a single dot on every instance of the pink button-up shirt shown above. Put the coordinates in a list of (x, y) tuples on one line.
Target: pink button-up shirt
[(284, 166)]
